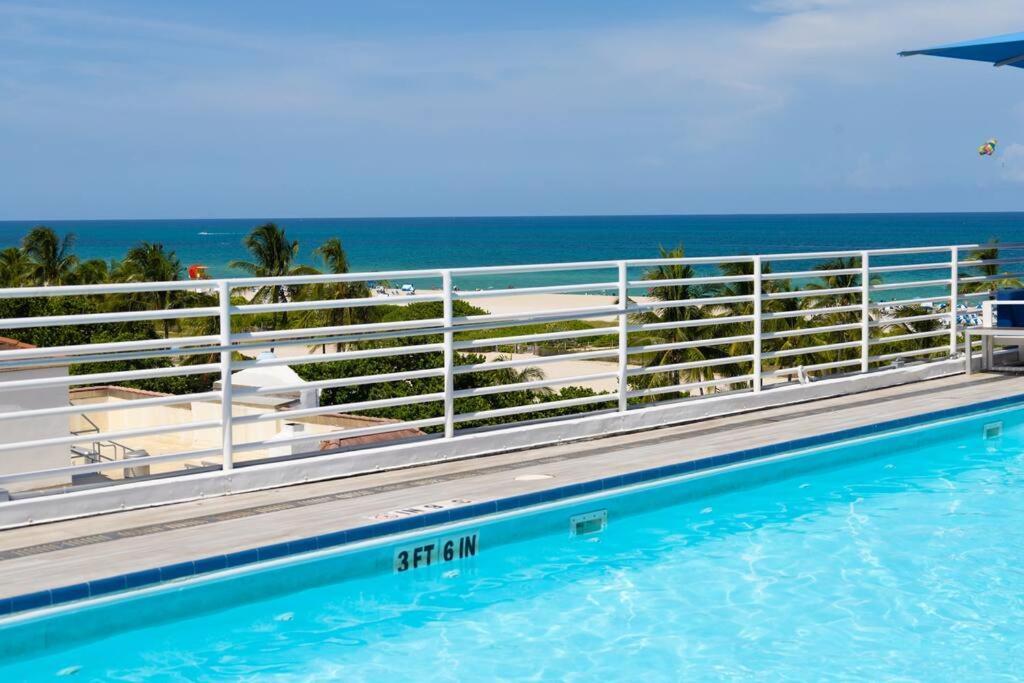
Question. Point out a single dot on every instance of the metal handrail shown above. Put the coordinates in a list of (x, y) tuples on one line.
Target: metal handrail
[(754, 316)]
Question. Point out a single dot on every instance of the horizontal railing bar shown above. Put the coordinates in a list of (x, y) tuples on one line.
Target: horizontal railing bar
[(810, 312), (552, 289), (906, 354), (338, 339), (339, 434), (814, 368), (913, 335), (989, 262), (109, 377), (108, 357), (249, 309), (683, 303), (784, 353), (535, 407), (991, 278), (526, 362), (113, 288), (908, 302), (654, 391), (803, 331), (809, 255), (327, 278), (527, 338), (108, 436), (909, 319), (534, 384), (133, 404), (314, 332), (99, 318), (911, 267), (466, 322), (688, 261), (690, 344), (356, 406), (61, 472), (702, 322), (672, 282), (809, 274), (382, 352), (672, 367), (361, 380), (810, 293), (911, 284), (72, 351), (898, 251)]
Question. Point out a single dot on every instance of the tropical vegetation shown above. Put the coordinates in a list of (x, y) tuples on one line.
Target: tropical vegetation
[(671, 345)]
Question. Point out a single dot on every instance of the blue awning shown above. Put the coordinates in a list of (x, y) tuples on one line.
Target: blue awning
[(1004, 50)]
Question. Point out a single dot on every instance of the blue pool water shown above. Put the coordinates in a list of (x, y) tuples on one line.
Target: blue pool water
[(899, 557)]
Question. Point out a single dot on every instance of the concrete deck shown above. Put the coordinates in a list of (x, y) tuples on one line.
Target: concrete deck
[(62, 553)]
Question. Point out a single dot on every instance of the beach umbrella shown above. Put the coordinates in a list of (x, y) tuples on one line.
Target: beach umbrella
[(1004, 50)]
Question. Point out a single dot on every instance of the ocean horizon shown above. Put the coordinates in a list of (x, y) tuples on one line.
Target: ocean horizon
[(377, 244)]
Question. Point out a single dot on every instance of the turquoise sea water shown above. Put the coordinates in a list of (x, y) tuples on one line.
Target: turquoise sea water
[(412, 243), (893, 558)]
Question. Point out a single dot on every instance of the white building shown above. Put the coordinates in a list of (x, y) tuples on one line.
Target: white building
[(33, 428)]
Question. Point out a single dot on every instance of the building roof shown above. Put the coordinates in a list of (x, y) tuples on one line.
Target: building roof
[(267, 377), (369, 439), (8, 344), (273, 376)]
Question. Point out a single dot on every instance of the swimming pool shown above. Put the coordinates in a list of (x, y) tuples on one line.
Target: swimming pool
[(895, 556)]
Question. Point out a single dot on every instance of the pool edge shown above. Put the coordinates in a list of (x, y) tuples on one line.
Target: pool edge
[(26, 602)]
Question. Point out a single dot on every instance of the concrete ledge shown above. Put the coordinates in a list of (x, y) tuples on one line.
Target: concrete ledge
[(207, 484)]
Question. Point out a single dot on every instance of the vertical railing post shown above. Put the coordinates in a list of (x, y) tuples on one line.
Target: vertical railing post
[(954, 293), (756, 370), (865, 310), (449, 356), (226, 412), (623, 337)]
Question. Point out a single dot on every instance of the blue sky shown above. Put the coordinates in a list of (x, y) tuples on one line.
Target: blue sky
[(396, 108)]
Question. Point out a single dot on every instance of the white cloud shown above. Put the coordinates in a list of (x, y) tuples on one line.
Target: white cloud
[(696, 101)]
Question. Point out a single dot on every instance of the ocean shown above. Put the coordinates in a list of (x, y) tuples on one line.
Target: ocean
[(412, 243)]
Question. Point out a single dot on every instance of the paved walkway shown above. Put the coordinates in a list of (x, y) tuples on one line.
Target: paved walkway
[(61, 553)]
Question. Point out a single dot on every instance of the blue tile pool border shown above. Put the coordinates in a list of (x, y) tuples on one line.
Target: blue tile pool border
[(150, 577)]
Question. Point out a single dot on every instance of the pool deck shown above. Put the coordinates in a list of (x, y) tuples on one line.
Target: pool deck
[(75, 551)]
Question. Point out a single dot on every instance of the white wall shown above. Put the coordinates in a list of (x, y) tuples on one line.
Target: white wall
[(31, 428)]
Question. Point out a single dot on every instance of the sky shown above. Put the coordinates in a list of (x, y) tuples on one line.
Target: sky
[(167, 109)]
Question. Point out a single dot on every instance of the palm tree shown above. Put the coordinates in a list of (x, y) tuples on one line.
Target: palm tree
[(988, 270), (830, 281), (335, 261), (95, 271), (677, 314), (273, 255), (768, 306), (149, 262), (896, 326), (52, 261), (15, 267)]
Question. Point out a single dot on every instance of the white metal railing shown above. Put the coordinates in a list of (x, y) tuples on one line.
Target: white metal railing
[(736, 330)]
